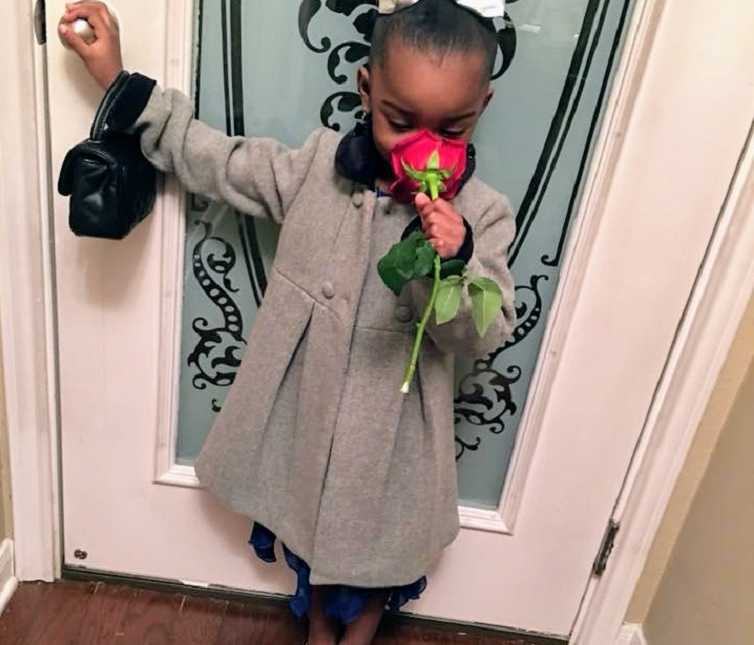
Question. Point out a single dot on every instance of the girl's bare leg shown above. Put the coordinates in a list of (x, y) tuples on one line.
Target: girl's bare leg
[(322, 628), (362, 630)]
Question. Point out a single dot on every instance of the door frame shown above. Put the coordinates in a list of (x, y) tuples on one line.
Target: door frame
[(27, 308), (704, 337), (713, 315)]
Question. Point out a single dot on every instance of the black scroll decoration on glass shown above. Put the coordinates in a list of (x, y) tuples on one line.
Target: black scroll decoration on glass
[(484, 392), (486, 397), (218, 351)]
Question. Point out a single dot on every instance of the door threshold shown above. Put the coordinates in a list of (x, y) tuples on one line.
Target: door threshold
[(262, 599)]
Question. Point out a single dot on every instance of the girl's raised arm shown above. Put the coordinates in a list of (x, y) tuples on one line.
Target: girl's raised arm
[(257, 176)]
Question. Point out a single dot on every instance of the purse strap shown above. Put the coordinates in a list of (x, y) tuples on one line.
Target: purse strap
[(100, 125)]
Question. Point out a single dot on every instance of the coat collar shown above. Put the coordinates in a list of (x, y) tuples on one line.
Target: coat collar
[(358, 159)]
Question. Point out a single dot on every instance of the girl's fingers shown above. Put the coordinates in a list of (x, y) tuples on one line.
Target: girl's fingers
[(96, 15), (91, 5), (426, 211), (74, 40), (438, 221), (446, 209), (421, 200), (440, 207), (424, 205)]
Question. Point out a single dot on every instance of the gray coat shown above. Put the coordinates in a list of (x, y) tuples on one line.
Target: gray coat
[(315, 440)]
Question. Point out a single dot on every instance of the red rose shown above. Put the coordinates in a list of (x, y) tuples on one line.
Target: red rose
[(424, 162)]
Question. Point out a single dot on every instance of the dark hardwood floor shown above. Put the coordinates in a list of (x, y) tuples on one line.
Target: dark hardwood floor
[(94, 613)]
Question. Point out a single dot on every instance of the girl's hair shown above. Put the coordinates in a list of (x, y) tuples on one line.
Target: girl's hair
[(436, 26)]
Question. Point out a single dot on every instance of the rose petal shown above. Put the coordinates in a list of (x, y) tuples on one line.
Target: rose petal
[(415, 151)]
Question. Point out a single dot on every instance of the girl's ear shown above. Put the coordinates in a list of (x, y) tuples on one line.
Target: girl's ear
[(364, 87), (488, 97)]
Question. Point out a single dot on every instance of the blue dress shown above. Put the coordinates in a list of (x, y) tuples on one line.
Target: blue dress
[(341, 602)]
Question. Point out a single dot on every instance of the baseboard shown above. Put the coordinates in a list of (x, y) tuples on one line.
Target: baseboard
[(631, 634), (8, 580)]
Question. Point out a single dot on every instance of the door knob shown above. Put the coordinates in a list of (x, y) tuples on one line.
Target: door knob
[(84, 29)]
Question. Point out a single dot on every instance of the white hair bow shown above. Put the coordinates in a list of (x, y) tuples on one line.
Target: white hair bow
[(485, 8)]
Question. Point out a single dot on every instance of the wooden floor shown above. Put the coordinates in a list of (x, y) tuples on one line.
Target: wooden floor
[(94, 613)]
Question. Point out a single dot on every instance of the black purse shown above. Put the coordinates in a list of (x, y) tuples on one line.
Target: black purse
[(111, 184)]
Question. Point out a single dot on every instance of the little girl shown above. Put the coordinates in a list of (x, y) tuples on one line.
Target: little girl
[(315, 440)]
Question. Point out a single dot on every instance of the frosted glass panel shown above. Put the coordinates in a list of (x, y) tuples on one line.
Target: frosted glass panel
[(282, 69)]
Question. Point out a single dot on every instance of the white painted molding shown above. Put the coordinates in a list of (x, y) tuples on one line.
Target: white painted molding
[(8, 580), (26, 299), (178, 475), (715, 310), (632, 634), (483, 520), (171, 212)]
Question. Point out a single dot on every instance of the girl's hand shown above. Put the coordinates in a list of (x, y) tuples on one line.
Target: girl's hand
[(102, 57), (443, 226)]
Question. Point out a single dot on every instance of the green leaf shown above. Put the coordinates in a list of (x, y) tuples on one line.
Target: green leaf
[(425, 258), (409, 259), (389, 273), (392, 267), (486, 284), (452, 267), (448, 299), (486, 302), (405, 257), (394, 281)]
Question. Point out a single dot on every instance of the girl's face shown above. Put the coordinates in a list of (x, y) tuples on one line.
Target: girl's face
[(410, 90)]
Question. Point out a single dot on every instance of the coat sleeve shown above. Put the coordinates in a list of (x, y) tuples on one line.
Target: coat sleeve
[(493, 235), (256, 176)]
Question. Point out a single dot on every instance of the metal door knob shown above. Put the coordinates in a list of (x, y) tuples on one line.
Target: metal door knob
[(84, 29)]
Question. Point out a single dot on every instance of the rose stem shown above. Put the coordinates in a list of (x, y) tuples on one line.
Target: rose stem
[(411, 367), (434, 189)]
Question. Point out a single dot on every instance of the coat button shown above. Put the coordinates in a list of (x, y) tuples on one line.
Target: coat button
[(328, 290), (358, 199), (404, 313)]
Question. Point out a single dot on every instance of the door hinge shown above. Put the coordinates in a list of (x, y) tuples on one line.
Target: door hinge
[(40, 22), (606, 548)]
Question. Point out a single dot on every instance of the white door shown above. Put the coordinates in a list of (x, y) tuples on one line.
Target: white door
[(546, 426)]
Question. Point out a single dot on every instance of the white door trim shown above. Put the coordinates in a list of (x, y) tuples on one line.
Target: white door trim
[(26, 300), (715, 310)]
